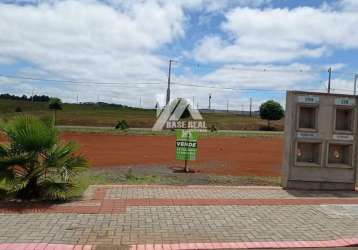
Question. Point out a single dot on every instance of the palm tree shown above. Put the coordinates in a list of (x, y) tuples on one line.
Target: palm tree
[(33, 164), (55, 104)]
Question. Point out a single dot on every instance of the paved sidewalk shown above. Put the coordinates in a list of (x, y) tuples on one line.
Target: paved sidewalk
[(190, 217)]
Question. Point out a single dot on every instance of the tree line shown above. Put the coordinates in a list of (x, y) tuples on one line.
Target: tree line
[(45, 98), (35, 98)]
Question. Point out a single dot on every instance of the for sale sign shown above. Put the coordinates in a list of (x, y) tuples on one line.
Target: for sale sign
[(186, 144)]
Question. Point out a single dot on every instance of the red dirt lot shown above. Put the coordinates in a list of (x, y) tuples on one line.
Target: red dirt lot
[(217, 155)]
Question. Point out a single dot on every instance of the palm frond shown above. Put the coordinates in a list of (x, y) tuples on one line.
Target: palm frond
[(52, 190), (30, 134), (18, 184), (73, 166), (9, 167), (4, 150), (62, 161), (57, 155), (48, 121)]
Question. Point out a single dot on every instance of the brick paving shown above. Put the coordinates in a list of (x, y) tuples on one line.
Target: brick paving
[(172, 217), (222, 192)]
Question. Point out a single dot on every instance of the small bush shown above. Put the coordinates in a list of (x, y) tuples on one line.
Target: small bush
[(213, 128), (122, 125), (18, 110), (130, 175)]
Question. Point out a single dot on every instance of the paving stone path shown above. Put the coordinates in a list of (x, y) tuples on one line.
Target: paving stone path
[(191, 217)]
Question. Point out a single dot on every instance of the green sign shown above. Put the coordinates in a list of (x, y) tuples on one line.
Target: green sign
[(186, 144)]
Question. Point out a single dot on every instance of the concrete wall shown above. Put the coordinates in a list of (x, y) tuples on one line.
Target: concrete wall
[(320, 141)]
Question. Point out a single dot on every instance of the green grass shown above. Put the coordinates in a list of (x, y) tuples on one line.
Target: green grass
[(160, 176), (81, 114), (108, 116)]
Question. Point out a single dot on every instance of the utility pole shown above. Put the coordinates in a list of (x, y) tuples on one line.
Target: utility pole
[(227, 105), (329, 79), (32, 96), (209, 101), (193, 102), (250, 106), (77, 98), (168, 88), (355, 83), (157, 109), (140, 101)]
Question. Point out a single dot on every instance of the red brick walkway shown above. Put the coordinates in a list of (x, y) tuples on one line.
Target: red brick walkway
[(98, 203), (177, 209)]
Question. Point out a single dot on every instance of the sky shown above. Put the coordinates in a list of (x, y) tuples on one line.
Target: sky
[(118, 51)]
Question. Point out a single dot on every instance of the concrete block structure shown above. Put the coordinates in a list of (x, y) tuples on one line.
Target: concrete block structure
[(320, 141)]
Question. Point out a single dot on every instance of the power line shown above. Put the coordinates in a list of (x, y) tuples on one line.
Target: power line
[(319, 70), (235, 89), (88, 83), (268, 69), (104, 86), (135, 84), (76, 81)]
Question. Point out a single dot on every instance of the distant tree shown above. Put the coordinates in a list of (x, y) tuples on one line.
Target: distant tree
[(55, 104), (271, 111), (35, 98), (41, 98)]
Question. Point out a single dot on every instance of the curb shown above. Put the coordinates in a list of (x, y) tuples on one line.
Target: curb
[(249, 245)]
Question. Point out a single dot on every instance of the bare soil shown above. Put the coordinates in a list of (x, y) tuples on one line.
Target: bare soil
[(236, 156)]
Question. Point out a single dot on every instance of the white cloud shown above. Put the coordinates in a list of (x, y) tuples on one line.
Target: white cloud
[(90, 40), (121, 41), (215, 49), (262, 76), (237, 82), (204, 5), (276, 35), (108, 41), (7, 60), (341, 85), (349, 5)]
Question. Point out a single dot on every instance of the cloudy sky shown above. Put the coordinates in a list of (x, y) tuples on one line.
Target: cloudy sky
[(118, 50)]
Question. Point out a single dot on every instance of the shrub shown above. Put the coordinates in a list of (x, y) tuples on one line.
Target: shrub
[(122, 125), (213, 128), (34, 165)]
